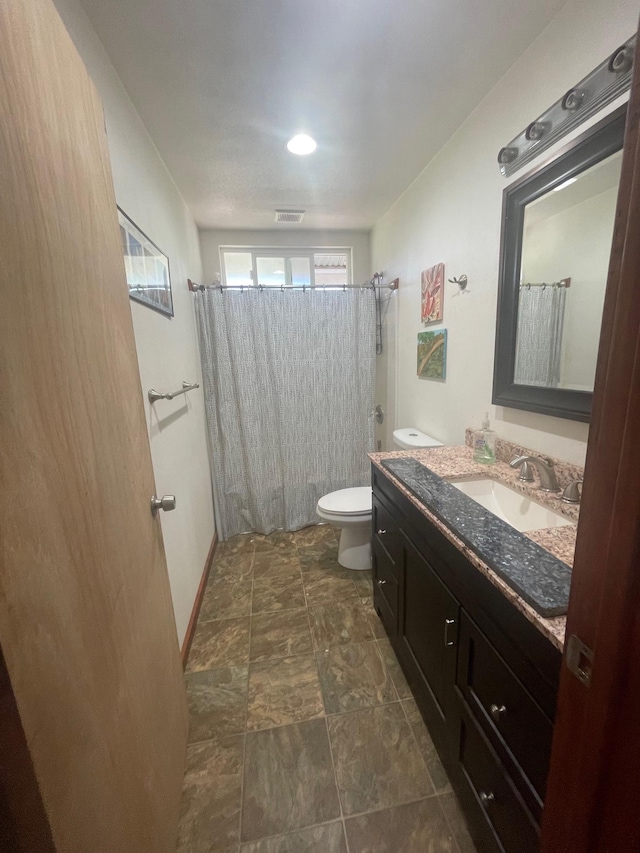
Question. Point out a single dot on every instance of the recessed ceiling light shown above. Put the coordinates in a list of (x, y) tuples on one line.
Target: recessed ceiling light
[(302, 144), (566, 184)]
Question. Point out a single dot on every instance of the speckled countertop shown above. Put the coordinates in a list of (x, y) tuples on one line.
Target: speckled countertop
[(457, 462)]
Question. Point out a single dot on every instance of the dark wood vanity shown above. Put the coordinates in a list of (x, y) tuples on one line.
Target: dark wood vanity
[(483, 676)]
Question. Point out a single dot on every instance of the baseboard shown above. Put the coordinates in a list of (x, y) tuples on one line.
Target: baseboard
[(197, 604)]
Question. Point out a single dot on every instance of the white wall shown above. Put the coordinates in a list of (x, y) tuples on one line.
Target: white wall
[(575, 243), (167, 348), (452, 213), (358, 241)]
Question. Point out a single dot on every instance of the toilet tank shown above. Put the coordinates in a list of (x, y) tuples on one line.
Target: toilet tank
[(412, 439)]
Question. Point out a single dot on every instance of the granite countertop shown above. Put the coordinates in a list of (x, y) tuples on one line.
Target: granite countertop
[(484, 529)]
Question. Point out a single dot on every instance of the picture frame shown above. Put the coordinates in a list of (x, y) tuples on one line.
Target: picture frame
[(146, 266), (432, 294), (432, 354)]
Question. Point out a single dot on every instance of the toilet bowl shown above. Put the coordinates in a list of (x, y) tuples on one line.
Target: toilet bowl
[(350, 510)]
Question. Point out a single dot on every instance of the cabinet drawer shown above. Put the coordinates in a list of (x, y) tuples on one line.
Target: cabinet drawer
[(386, 532), (384, 579), (493, 791), (507, 712)]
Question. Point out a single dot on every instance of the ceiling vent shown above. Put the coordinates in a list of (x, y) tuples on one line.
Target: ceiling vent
[(289, 215)]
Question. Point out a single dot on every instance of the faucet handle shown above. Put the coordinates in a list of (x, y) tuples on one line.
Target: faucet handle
[(572, 492), (526, 471)]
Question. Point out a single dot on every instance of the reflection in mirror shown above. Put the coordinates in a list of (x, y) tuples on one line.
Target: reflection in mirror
[(566, 244)]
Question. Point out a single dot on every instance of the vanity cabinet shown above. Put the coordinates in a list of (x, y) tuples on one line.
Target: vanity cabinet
[(485, 679)]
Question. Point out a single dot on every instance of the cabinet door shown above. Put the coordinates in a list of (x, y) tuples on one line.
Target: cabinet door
[(429, 629)]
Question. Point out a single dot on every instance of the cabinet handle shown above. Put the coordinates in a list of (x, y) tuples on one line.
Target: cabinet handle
[(381, 532), (447, 624), (381, 583), (486, 798), (497, 712)]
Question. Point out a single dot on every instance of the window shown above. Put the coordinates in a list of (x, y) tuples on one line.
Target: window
[(244, 266)]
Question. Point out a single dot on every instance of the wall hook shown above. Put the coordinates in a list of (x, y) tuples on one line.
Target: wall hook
[(462, 282)]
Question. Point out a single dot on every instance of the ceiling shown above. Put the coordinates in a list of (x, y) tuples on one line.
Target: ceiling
[(221, 85)]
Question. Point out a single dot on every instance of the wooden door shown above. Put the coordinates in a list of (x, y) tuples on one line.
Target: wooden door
[(592, 790), (429, 617), (86, 622)]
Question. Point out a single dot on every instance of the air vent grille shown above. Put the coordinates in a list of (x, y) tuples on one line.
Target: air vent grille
[(289, 215)]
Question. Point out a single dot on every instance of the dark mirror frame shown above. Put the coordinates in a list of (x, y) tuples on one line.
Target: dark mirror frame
[(600, 141)]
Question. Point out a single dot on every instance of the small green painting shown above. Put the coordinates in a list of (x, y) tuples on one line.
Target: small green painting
[(432, 354)]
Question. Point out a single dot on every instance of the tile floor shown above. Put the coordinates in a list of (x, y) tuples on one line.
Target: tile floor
[(304, 737)]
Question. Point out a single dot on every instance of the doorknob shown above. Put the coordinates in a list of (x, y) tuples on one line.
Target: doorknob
[(166, 503)]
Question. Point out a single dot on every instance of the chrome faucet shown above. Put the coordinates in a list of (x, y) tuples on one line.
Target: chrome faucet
[(544, 466)]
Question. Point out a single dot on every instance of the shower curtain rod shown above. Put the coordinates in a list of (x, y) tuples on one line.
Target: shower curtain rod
[(564, 282), (374, 284)]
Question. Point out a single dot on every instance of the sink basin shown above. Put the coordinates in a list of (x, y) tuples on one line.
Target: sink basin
[(511, 506)]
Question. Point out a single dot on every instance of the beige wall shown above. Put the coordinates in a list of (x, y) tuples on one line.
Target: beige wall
[(452, 214), (167, 348), (358, 241)]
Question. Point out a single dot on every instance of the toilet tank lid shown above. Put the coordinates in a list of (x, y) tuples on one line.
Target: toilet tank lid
[(410, 437)]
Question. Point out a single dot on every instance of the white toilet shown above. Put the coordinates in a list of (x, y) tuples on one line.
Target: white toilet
[(350, 509), (412, 439)]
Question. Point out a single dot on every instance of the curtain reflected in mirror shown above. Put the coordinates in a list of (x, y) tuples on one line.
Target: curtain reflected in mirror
[(565, 257)]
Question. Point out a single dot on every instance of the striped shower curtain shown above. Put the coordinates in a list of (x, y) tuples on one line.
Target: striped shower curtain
[(289, 387), (539, 341)]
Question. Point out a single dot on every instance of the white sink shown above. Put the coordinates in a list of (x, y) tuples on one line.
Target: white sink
[(511, 506)]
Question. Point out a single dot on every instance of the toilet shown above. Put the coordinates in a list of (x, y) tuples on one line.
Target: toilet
[(350, 509)]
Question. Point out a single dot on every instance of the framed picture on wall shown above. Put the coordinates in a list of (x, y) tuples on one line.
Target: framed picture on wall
[(147, 268), (432, 294)]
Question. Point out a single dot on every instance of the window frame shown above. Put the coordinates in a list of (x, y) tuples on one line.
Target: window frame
[(287, 253)]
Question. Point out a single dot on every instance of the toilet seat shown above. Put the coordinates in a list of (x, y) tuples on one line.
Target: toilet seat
[(349, 502)]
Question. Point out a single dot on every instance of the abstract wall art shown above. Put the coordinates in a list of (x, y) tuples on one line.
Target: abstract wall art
[(432, 293)]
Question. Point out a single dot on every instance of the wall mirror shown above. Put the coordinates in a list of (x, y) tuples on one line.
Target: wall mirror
[(557, 228)]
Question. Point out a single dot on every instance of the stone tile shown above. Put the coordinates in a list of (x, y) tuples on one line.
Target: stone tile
[(234, 567), (217, 700), (322, 586), (395, 671), (281, 592), (242, 544), (316, 535), (288, 780), (363, 582), (418, 827), (425, 745), (226, 599), (286, 690), (339, 624), (279, 635), (323, 556), (328, 838), (219, 644), (457, 823), (269, 564), (376, 761), (280, 540), (374, 620), (211, 797), (354, 677)]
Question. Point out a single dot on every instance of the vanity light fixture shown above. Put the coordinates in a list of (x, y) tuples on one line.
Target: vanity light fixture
[(302, 144), (603, 85)]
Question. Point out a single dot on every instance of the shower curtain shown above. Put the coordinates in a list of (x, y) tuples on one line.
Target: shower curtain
[(539, 341), (289, 385)]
